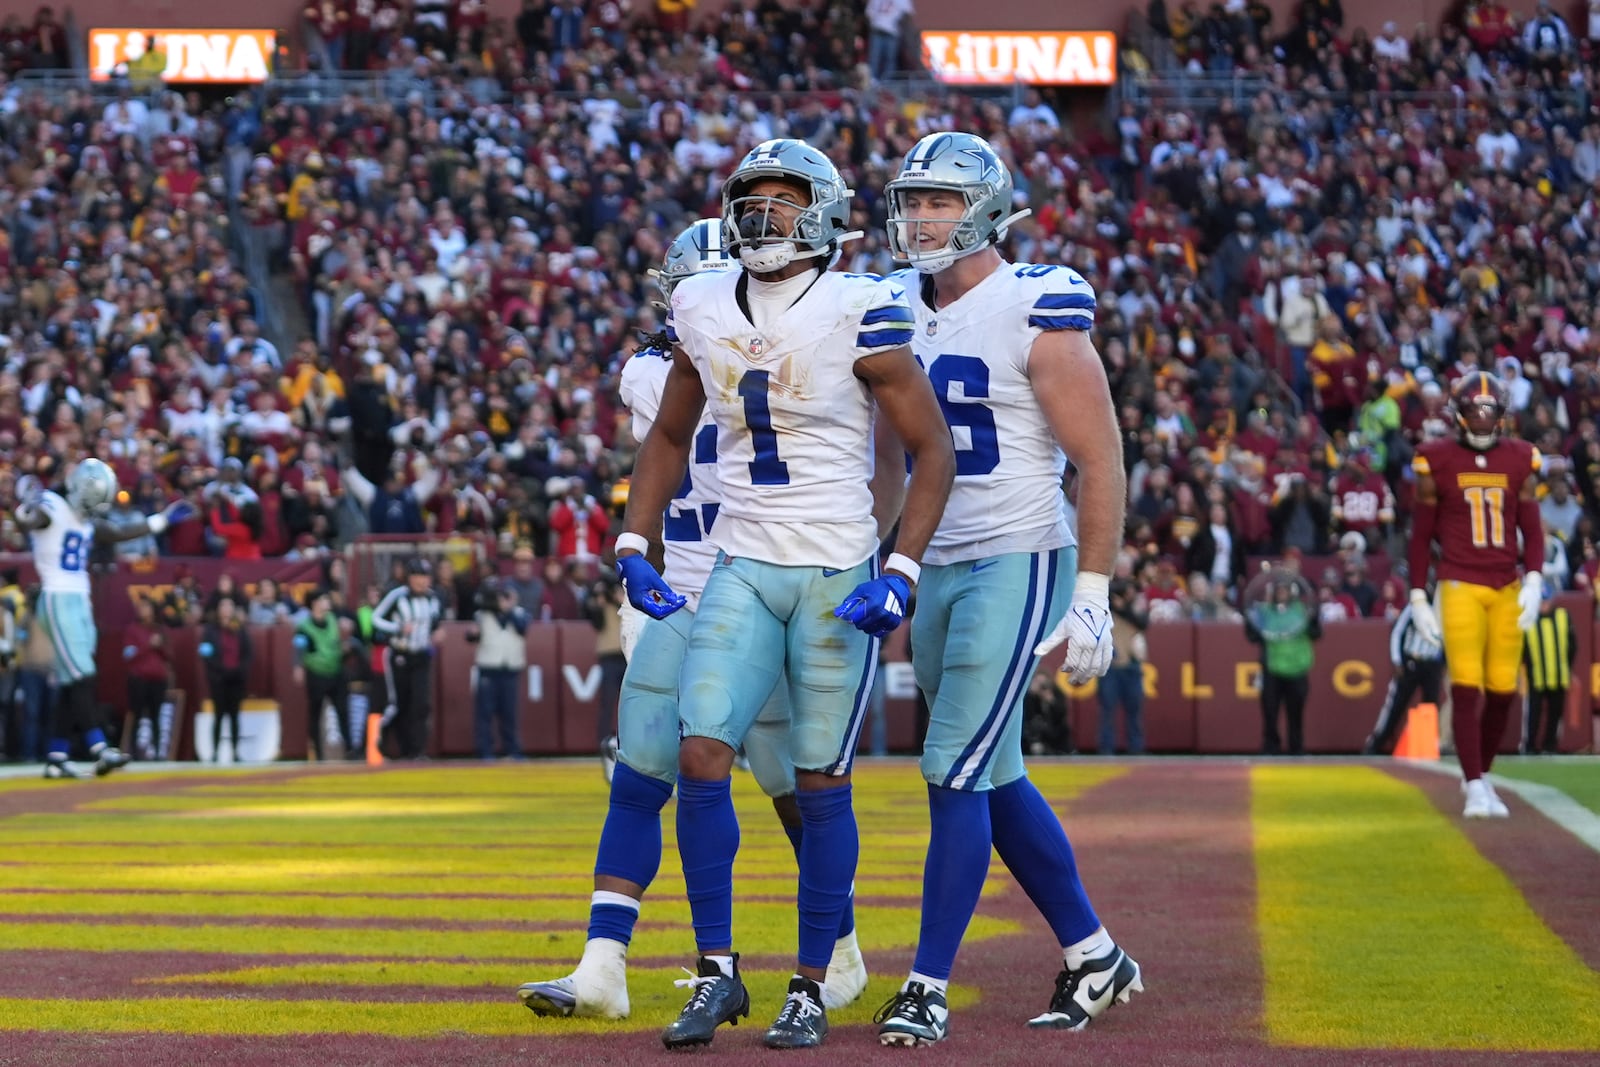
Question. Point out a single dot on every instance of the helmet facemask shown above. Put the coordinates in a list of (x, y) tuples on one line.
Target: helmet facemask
[(1479, 422), (818, 204), (966, 237)]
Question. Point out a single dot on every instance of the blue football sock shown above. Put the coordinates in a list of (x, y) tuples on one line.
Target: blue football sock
[(829, 849), (1033, 845), (630, 841), (611, 916), (952, 877), (847, 922), (708, 841), (58, 750), (96, 740)]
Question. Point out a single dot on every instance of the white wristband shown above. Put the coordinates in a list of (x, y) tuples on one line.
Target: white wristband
[(632, 541), (1088, 585), (157, 524), (905, 565)]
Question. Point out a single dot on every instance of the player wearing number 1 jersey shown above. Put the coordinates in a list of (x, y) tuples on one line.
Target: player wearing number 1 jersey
[(1475, 494), (629, 853), (790, 359), (61, 531), (1007, 349)]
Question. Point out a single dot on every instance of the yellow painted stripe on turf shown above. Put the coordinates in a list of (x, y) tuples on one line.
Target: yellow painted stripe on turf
[(352, 879), (1382, 926), (758, 928), (653, 999)]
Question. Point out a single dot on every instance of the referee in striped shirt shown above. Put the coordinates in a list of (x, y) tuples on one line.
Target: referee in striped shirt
[(1418, 664), (409, 615)]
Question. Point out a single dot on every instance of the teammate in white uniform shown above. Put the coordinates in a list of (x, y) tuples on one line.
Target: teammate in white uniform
[(1007, 349), (789, 359), (61, 532), (629, 853)]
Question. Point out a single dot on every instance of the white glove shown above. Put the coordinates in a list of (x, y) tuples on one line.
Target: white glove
[(1528, 598), (1086, 628), (1424, 618), (633, 621)]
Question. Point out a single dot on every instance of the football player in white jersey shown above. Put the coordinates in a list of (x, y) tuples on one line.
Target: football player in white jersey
[(1007, 348), (629, 853), (790, 359), (61, 532)]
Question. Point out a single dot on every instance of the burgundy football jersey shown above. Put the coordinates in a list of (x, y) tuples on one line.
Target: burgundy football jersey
[(1478, 501)]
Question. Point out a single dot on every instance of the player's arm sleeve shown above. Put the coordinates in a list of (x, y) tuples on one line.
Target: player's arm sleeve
[(1058, 300), (380, 614), (640, 394), (887, 323), (1424, 521)]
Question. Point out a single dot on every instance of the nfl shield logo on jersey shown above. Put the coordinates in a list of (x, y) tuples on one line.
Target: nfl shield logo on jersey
[(757, 345)]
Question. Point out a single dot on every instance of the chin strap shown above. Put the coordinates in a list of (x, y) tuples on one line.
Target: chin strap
[(1005, 224)]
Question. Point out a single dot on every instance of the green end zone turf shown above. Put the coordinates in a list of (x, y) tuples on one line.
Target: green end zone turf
[(1382, 926)]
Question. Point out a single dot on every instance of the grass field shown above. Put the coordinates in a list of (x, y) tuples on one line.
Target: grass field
[(1578, 777), (223, 917)]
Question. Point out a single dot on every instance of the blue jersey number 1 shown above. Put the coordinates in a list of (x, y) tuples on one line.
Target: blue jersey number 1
[(766, 468)]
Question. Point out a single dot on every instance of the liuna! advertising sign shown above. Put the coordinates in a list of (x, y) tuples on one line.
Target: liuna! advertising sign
[(187, 57), (1032, 57)]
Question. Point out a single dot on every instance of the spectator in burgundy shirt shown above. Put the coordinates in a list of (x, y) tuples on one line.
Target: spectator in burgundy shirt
[(225, 647), (144, 646)]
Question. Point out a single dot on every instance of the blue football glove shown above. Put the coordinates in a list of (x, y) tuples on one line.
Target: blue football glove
[(30, 490), (877, 606), (646, 589), (179, 511)]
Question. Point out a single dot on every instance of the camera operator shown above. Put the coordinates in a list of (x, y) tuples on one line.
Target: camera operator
[(499, 628)]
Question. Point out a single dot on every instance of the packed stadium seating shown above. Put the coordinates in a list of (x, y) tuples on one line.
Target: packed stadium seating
[(425, 253)]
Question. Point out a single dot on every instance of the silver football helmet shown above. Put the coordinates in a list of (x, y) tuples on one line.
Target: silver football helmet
[(699, 248), (967, 166), (751, 226), (91, 488)]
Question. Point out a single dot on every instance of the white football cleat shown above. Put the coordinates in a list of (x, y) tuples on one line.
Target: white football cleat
[(1478, 805), (597, 988), (1497, 807), (847, 974)]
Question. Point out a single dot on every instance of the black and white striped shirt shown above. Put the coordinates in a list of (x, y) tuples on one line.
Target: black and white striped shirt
[(408, 619), (1406, 643)]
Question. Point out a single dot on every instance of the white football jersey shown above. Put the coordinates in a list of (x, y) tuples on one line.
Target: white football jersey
[(1007, 495), (794, 423), (688, 554), (61, 550)]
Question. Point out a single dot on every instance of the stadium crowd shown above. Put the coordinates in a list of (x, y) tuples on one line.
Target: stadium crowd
[(1288, 281)]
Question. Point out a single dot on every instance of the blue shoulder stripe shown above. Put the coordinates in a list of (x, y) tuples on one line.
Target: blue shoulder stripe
[(1065, 301), (1061, 322), (888, 313), (883, 338)]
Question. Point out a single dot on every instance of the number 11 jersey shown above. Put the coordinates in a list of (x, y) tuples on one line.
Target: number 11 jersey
[(794, 423), (1007, 495), (1479, 496)]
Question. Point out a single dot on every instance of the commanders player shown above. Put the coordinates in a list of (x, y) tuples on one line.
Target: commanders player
[(1474, 495)]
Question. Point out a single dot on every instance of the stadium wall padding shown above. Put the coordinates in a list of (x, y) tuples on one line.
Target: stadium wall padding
[(1200, 686)]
